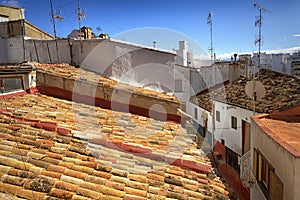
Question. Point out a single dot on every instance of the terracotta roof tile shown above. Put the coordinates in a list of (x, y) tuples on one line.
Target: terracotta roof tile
[(66, 186), (112, 192), (62, 194), (282, 92), (66, 167), (89, 193)]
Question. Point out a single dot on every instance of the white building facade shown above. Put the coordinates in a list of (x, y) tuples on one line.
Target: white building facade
[(277, 62)]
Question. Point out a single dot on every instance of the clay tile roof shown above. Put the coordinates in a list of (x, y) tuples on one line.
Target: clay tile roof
[(285, 133), (282, 92), (57, 149)]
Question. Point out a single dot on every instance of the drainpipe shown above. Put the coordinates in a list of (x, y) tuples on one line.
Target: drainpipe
[(23, 32)]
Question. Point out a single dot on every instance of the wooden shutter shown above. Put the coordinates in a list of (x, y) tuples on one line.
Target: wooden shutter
[(275, 187), (255, 163)]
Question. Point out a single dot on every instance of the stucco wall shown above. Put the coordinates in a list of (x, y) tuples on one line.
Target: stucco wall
[(15, 50), (285, 165), (297, 179), (202, 114), (232, 137), (208, 76), (3, 53), (45, 51)]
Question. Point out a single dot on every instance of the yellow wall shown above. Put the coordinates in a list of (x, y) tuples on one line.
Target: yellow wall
[(14, 28), (12, 13), (34, 32)]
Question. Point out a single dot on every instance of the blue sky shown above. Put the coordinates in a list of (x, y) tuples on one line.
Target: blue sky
[(173, 20)]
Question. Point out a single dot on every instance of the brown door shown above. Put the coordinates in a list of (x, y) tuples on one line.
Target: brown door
[(245, 136)]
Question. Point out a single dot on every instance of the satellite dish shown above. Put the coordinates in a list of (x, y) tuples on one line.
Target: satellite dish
[(255, 89)]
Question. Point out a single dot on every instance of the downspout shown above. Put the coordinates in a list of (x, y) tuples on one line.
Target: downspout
[(23, 33), (213, 125)]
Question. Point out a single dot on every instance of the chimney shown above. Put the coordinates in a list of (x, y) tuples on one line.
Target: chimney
[(235, 56), (154, 44)]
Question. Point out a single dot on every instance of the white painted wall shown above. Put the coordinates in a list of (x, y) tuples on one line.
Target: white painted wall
[(148, 65), (232, 137), (277, 62), (202, 114), (280, 63), (287, 167), (82, 51), (182, 54), (208, 76), (183, 73)]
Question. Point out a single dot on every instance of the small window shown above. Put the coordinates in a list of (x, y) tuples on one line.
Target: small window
[(10, 84), (234, 122), (178, 85), (218, 116), (268, 181), (196, 113)]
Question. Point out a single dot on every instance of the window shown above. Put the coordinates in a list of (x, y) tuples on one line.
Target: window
[(178, 85), (265, 175), (234, 122), (9, 84), (232, 159), (218, 116), (196, 113)]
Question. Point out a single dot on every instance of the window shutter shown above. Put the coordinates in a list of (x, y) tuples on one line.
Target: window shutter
[(276, 187), (255, 163)]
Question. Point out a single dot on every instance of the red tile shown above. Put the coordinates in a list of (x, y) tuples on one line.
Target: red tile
[(102, 174), (66, 164), (72, 154), (75, 174), (63, 131), (62, 194), (89, 164), (66, 186), (54, 155), (51, 174), (56, 168)]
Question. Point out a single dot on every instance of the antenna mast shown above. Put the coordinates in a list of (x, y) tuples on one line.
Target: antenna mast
[(53, 17), (209, 22), (258, 22), (80, 15)]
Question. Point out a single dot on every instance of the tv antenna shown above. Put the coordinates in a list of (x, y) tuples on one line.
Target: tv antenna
[(209, 23), (81, 14), (53, 17), (98, 28), (258, 22)]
